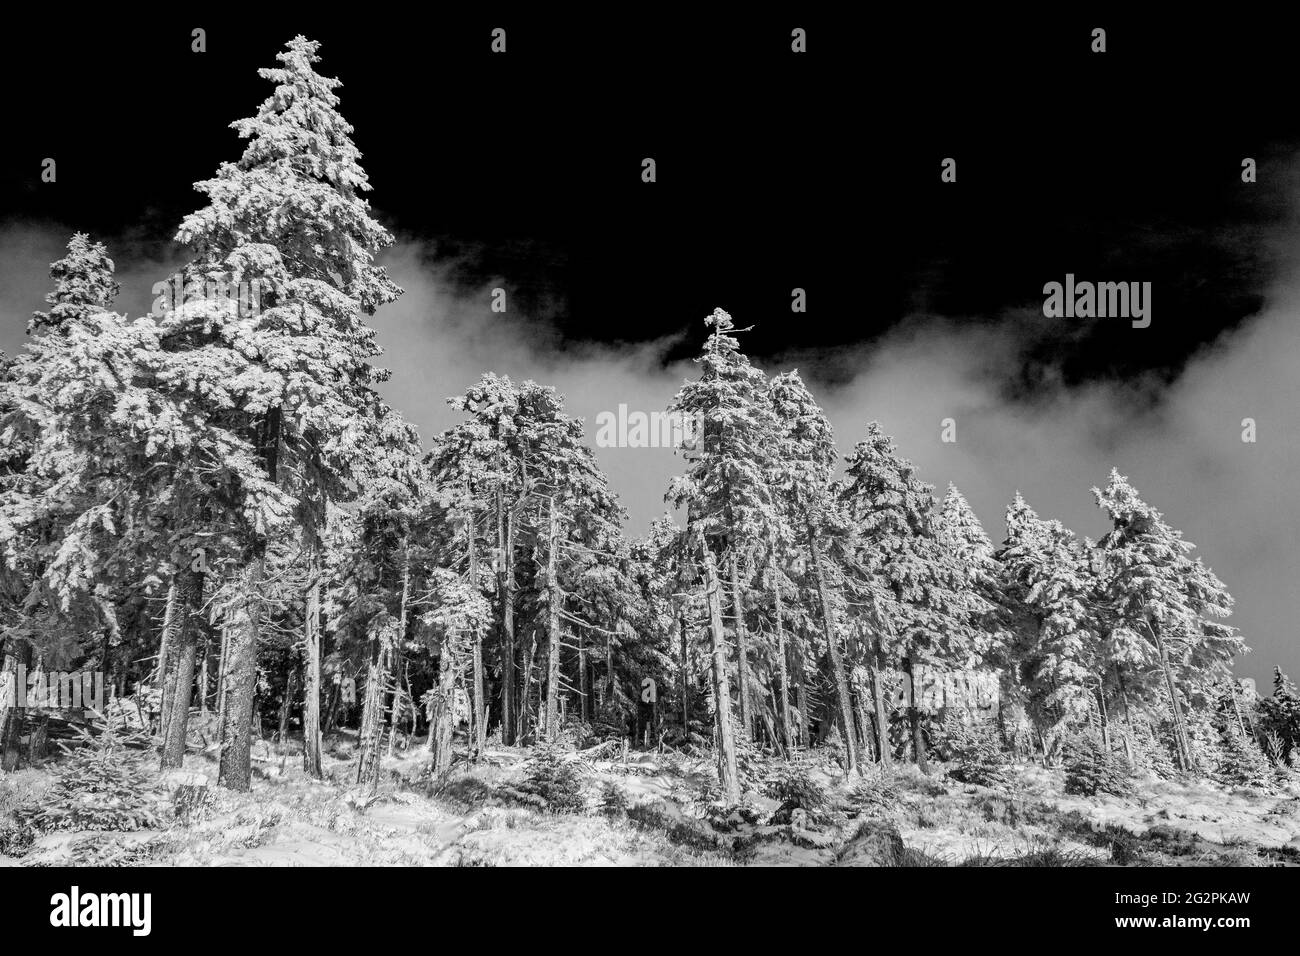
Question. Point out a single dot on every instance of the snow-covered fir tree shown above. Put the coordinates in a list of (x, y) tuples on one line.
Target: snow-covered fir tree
[(1163, 608)]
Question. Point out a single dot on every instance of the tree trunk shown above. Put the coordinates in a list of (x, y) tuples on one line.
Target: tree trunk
[(837, 664), (526, 699), (112, 633), (222, 659), (582, 675), (395, 699), (801, 693), (866, 738), (331, 711), (189, 605), (441, 723), (311, 726), (203, 676), (372, 715), (479, 703), (1128, 718), (610, 676), (505, 590), (914, 714), (241, 682), (399, 642), (1104, 718), (12, 691), (1236, 711), (286, 704), (786, 731), (163, 672), (1181, 741), (728, 778), (742, 652), (883, 746), (553, 630), (685, 667)]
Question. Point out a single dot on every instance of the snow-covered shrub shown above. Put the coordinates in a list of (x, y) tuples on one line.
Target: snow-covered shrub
[(750, 766), (874, 796), (613, 800), (16, 838), (104, 784), (1091, 769), (552, 781), (1280, 714), (1151, 750), (793, 786), (974, 752), (1206, 742), (1242, 763)]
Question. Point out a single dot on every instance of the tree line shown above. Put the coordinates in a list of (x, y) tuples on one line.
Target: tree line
[(216, 503)]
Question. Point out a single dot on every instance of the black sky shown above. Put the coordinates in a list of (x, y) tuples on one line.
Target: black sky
[(775, 171)]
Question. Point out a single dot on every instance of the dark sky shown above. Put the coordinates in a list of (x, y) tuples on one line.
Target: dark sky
[(775, 171)]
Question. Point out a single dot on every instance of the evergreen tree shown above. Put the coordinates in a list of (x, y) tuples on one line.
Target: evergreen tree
[(726, 489), (290, 378), (1281, 713), (1163, 607), (84, 286), (1047, 587), (808, 509), (1241, 763), (728, 500), (925, 612)]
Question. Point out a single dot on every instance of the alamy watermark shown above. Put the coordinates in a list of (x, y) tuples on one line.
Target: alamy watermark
[(1098, 300), (248, 297), (55, 690), (76, 909), (636, 429)]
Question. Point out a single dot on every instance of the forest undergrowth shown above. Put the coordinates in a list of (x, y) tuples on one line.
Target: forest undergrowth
[(603, 806)]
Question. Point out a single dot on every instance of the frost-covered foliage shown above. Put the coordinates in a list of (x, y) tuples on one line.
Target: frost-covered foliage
[(1162, 608), (974, 752), (1152, 752), (613, 799), (1241, 763), (1090, 768), (104, 784), (1047, 586), (1280, 714), (793, 785), (553, 779), (922, 593)]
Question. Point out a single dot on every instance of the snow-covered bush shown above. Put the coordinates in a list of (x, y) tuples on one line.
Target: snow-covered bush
[(16, 838), (874, 796), (1151, 750), (104, 784), (1242, 763), (974, 752), (552, 781), (793, 786), (613, 800), (750, 766), (1091, 769)]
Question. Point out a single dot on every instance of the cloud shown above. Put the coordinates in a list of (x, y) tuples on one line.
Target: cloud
[(1182, 451)]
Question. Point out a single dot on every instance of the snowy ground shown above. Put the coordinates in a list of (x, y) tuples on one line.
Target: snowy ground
[(291, 820)]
